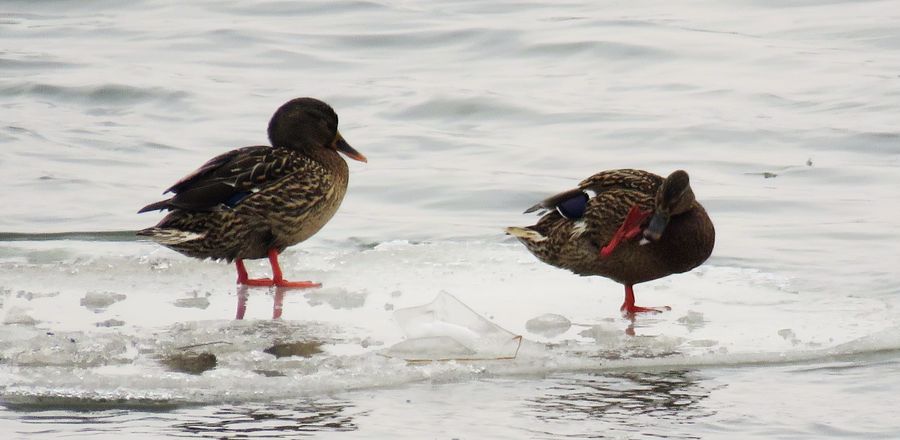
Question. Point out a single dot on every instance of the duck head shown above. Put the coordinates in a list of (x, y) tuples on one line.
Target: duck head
[(307, 125), (673, 197)]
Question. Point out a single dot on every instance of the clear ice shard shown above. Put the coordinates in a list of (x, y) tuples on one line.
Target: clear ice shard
[(446, 329)]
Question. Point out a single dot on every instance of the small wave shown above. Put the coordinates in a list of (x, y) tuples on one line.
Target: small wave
[(303, 60), (876, 143), (32, 64), (464, 108), (472, 41), (113, 94), (282, 8), (609, 50)]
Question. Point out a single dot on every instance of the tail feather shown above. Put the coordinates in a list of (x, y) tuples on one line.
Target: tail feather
[(163, 204), (167, 236), (525, 234)]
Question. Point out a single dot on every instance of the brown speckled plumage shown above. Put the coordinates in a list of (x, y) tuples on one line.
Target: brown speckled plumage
[(248, 201), (575, 243)]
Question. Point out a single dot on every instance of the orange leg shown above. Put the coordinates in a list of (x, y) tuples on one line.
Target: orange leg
[(630, 228), (629, 309), (277, 278)]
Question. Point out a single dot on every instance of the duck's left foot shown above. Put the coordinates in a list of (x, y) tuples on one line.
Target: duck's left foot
[(296, 284), (631, 309), (277, 279), (267, 282), (256, 282), (630, 229)]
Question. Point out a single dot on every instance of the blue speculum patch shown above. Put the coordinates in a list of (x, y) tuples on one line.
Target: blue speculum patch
[(573, 207)]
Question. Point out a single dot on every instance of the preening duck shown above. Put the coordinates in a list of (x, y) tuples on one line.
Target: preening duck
[(627, 225)]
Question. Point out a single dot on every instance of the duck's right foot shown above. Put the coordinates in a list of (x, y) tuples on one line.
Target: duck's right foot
[(267, 282), (629, 309), (630, 229)]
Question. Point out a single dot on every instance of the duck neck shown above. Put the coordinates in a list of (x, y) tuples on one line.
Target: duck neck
[(328, 158), (690, 239)]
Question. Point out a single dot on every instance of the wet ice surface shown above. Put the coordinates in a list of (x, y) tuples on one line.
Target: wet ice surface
[(108, 334), (574, 365)]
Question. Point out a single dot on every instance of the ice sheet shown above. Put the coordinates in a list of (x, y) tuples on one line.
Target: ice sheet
[(452, 301)]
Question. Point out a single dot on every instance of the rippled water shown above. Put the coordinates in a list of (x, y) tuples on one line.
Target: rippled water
[(784, 113)]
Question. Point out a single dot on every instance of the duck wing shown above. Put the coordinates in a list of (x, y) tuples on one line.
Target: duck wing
[(626, 179), (227, 179), (572, 203), (605, 213)]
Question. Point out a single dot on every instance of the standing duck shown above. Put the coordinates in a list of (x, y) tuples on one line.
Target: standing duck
[(254, 202), (595, 229)]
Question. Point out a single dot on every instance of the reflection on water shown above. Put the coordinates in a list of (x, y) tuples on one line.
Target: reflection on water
[(274, 420), (260, 420), (73, 417), (632, 402), (242, 296)]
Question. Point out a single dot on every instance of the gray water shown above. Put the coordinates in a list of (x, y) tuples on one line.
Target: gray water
[(784, 114)]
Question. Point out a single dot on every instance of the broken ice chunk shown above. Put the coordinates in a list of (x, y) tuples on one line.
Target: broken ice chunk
[(191, 363), (447, 329), (431, 347), (99, 301), (299, 348), (19, 316), (548, 324), (193, 302)]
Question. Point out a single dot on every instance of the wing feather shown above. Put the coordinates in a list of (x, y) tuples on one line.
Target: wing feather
[(622, 179), (630, 179), (606, 212), (227, 179)]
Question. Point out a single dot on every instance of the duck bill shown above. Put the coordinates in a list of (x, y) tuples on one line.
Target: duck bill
[(655, 229), (341, 145)]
